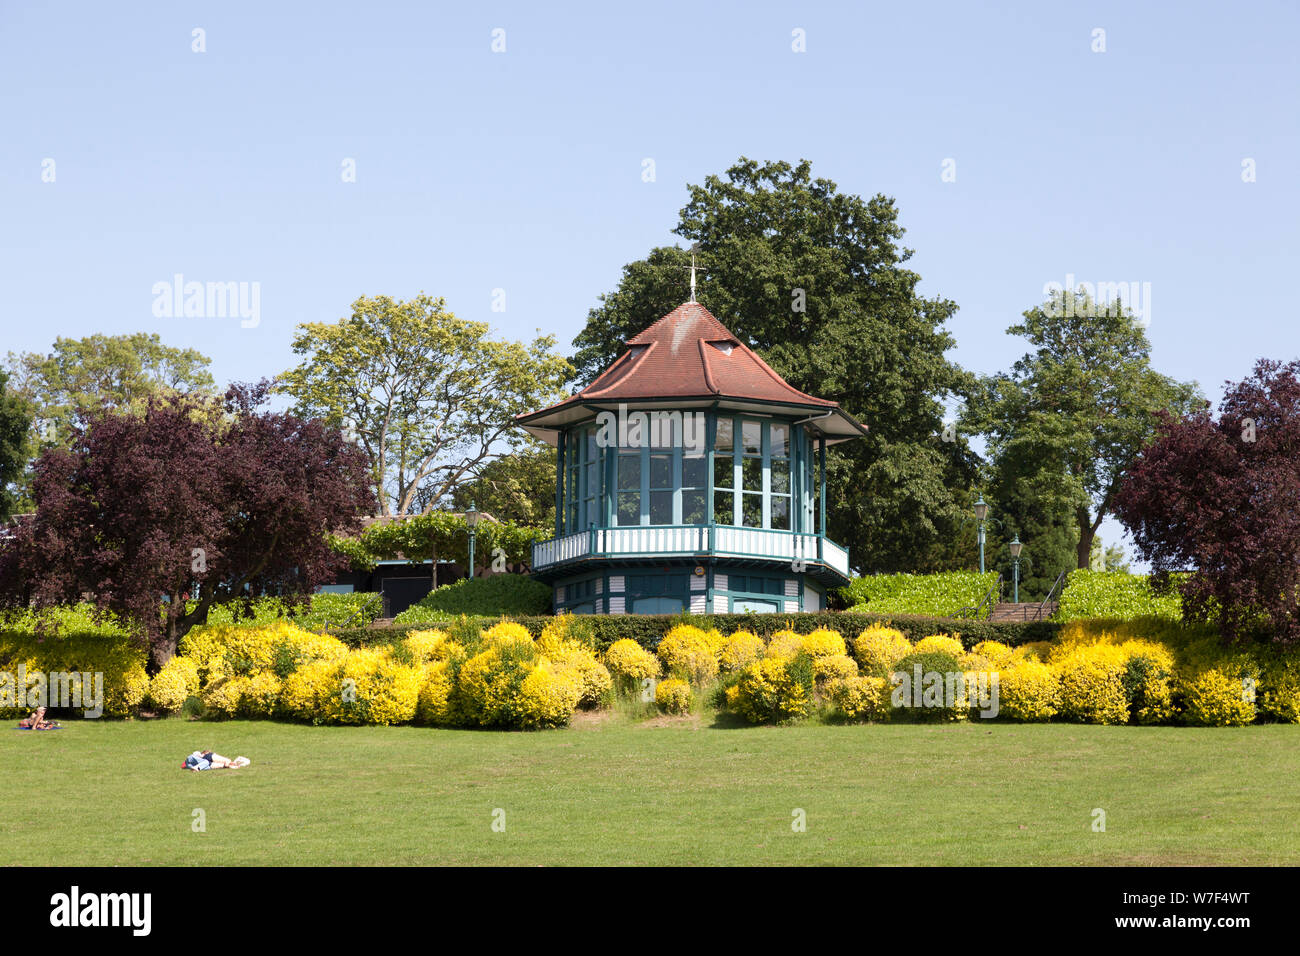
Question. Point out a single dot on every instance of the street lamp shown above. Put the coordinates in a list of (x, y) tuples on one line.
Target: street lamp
[(471, 519), (981, 513), (1015, 547)]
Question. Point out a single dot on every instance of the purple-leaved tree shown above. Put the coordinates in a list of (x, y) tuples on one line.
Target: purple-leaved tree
[(1220, 497), (192, 500)]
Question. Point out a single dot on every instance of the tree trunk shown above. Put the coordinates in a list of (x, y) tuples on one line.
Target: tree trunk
[(1086, 534)]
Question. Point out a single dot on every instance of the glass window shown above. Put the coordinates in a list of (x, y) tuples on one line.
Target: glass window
[(780, 477), (693, 511), (752, 474), (629, 472), (780, 439), (693, 472), (724, 472), (752, 510), (723, 439), (694, 489), (657, 605), (661, 471), (740, 606), (724, 503), (661, 507), (781, 513), (751, 437)]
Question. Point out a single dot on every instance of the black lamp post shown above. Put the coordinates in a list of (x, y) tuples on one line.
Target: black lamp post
[(471, 519), (1015, 547)]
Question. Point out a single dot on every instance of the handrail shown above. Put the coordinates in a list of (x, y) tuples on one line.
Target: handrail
[(990, 597), (1038, 615)]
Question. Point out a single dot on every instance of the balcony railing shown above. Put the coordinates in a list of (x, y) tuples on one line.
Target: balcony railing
[(657, 541)]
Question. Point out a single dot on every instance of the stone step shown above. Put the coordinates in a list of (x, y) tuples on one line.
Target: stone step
[(1025, 611)]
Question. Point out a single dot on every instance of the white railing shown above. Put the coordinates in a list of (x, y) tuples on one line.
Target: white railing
[(667, 540)]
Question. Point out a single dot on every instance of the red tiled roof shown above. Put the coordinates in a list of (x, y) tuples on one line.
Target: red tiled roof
[(690, 354)]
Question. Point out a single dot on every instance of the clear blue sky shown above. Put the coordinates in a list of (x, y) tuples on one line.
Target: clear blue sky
[(522, 170)]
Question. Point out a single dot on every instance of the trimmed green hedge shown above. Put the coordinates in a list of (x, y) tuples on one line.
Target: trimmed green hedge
[(327, 610), (647, 629), (496, 594), (940, 594), (1115, 594)]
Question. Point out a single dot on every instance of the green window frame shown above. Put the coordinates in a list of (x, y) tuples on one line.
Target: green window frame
[(583, 481), (754, 472)]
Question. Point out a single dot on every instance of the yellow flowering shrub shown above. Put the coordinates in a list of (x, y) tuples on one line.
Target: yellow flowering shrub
[(1092, 684), (259, 694), (566, 627), (426, 646), (232, 650), (1216, 699), (1033, 651), (673, 696), (717, 642), (306, 689), (970, 661), (741, 650), (686, 652), (823, 642), (773, 689), (995, 652), (125, 688), (878, 648), (507, 633), (860, 698), (784, 645), (546, 697), (630, 663), (833, 667), (121, 661), (483, 687), (940, 643), (594, 679), (221, 697), (1028, 690), (1278, 695), (174, 684), (1149, 669), (436, 705), (15, 663)]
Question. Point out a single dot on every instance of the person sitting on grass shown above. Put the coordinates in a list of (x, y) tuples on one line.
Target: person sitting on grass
[(37, 721), (207, 760)]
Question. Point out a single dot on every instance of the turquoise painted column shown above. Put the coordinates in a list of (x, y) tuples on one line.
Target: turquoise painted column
[(821, 495), (561, 473)]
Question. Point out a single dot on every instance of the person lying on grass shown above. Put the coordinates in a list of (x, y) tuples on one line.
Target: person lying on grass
[(207, 760), (37, 721)]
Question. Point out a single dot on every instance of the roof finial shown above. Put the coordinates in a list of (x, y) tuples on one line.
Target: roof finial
[(694, 247)]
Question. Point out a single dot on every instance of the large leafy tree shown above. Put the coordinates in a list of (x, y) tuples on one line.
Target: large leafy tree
[(15, 422), (194, 507), (1219, 498), (78, 377), (429, 396), (1046, 530), (519, 487), (815, 280), (1075, 411)]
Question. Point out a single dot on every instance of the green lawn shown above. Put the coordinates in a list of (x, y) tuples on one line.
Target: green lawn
[(664, 792)]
